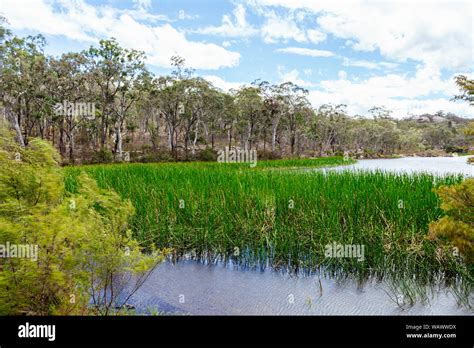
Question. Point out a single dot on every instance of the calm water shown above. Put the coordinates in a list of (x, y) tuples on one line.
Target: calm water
[(434, 165), (194, 288)]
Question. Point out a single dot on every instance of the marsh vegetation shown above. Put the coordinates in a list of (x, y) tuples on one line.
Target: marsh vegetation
[(284, 219)]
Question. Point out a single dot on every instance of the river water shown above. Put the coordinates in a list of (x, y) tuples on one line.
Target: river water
[(433, 165), (189, 287)]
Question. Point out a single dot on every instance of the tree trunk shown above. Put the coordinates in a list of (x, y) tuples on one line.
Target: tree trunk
[(170, 138), (274, 133), (15, 121), (118, 142), (72, 146), (61, 145), (195, 140), (230, 137), (103, 131)]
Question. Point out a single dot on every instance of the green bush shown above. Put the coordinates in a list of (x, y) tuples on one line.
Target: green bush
[(81, 237), (207, 155), (457, 227), (102, 156), (456, 149), (156, 156), (267, 155)]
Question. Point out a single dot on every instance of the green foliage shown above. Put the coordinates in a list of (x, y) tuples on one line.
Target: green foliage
[(469, 130), (207, 155), (466, 87), (102, 156), (212, 209), (159, 155), (81, 236), (267, 155), (457, 227), (456, 149)]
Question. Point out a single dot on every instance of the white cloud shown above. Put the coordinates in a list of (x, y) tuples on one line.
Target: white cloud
[(277, 28), (166, 41), (342, 74), (426, 81), (316, 36), (26, 17), (142, 4), (239, 27), (400, 107), (182, 15), (361, 63), (222, 84), (80, 21), (292, 76), (433, 32), (280, 29), (306, 52), (400, 93)]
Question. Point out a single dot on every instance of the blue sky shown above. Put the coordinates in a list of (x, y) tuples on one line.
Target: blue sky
[(400, 54)]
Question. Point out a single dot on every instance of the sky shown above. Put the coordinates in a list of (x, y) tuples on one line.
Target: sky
[(402, 55)]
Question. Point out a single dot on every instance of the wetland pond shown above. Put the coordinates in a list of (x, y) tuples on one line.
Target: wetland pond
[(196, 288)]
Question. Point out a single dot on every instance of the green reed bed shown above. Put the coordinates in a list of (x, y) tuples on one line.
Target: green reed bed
[(307, 162), (286, 218)]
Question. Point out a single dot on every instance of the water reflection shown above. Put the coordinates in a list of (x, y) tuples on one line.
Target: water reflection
[(189, 287)]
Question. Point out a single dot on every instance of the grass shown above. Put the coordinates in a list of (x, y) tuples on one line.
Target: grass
[(307, 162), (285, 218)]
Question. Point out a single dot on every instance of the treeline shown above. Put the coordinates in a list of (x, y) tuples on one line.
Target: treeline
[(102, 104)]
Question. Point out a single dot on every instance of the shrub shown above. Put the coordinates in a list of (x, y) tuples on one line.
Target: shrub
[(207, 155), (457, 227), (267, 155), (156, 156), (83, 245), (456, 149), (102, 156)]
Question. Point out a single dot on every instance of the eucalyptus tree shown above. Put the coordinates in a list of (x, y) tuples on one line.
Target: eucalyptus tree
[(229, 116), (177, 98), (68, 83), (437, 136), (218, 114), (198, 100), (273, 108), (127, 95), (325, 128), (466, 87), (169, 100), (380, 112), (250, 107), (146, 108), (296, 110), (22, 76), (115, 71)]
